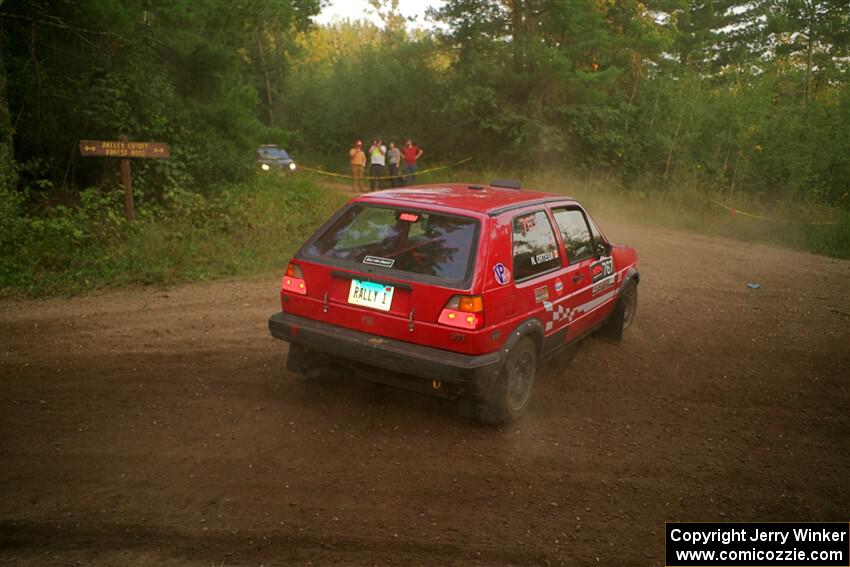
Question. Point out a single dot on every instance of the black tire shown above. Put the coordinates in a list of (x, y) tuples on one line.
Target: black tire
[(628, 303), (507, 396), (623, 315)]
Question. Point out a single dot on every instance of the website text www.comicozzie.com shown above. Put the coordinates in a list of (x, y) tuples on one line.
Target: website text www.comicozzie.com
[(741, 543), (759, 555)]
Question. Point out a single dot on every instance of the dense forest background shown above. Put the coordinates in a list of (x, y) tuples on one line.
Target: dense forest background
[(718, 97)]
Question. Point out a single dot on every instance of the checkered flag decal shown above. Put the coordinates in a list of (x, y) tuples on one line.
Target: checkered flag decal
[(559, 313)]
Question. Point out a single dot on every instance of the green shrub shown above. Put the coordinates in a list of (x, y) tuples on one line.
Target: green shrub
[(185, 236), (832, 240)]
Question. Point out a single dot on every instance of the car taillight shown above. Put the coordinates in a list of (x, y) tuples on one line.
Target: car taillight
[(463, 312), (293, 280)]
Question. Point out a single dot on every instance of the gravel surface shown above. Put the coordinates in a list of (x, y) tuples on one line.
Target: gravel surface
[(153, 426)]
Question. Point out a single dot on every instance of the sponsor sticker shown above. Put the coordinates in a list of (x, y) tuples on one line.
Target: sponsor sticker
[(602, 285), (378, 261), (559, 286), (541, 294), (602, 269), (503, 275)]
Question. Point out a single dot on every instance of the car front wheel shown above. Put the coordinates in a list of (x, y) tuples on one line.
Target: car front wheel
[(628, 302), (623, 314)]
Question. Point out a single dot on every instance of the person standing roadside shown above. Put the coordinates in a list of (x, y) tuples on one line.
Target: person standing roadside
[(411, 154), (378, 162), (394, 165), (357, 159)]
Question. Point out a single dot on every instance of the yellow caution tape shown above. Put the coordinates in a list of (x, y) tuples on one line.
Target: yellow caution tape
[(401, 174), (736, 212)]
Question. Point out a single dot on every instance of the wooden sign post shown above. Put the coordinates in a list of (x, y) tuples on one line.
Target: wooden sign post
[(121, 148)]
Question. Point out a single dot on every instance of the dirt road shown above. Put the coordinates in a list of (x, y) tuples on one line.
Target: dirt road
[(160, 427)]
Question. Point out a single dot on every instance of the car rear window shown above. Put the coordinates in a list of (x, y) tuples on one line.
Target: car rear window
[(423, 243)]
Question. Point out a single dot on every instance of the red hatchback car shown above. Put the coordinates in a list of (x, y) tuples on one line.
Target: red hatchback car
[(457, 290)]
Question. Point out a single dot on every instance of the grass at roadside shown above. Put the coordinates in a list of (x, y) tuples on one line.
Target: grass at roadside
[(236, 230)]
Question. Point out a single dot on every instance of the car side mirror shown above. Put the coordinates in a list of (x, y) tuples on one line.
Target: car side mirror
[(603, 249)]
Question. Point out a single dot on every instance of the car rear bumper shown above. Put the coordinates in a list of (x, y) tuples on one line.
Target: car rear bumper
[(387, 354)]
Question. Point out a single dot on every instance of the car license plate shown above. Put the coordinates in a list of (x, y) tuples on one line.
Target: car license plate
[(370, 294)]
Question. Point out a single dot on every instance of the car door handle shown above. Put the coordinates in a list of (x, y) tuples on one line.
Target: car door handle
[(577, 278)]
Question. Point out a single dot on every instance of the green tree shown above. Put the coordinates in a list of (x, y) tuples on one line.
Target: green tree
[(814, 37), (182, 72), (575, 67), (357, 82)]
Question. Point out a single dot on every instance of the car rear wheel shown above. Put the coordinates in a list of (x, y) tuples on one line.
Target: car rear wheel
[(507, 396), (520, 371)]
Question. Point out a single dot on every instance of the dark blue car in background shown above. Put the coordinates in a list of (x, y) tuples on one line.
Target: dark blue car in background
[(271, 158)]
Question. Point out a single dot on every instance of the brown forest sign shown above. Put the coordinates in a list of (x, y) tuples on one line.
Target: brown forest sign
[(117, 148), (124, 149)]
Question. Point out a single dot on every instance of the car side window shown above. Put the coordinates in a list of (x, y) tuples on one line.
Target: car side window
[(534, 246), (576, 234), (599, 244)]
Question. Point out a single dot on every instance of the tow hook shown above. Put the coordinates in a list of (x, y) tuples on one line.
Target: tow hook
[(436, 384)]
